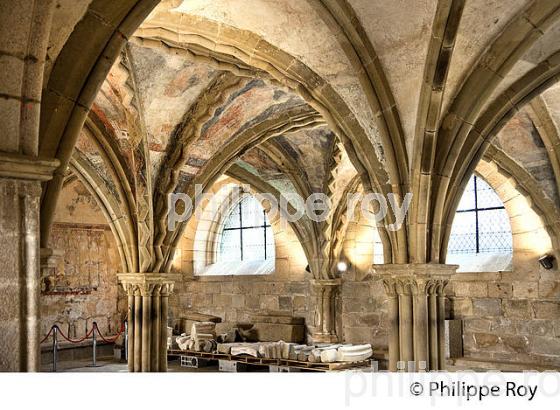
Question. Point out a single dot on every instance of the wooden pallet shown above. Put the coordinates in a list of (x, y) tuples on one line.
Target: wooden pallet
[(262, 361), (325, 366), (223, 356), (204, 355)]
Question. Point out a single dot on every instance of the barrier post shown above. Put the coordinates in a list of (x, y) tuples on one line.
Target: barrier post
[(94, 344), (55, 346), (126, 340)]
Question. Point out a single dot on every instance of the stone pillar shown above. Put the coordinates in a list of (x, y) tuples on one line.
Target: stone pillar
[(325, 310), (148, 295), (20, 193), (416, 314)]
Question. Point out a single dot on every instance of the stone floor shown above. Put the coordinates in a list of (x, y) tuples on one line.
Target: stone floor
[(111, 365)]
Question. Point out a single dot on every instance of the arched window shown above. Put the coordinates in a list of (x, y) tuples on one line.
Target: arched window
[(246, 234), (481, 238)]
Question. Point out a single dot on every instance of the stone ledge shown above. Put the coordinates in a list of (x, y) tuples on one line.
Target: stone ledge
[(19, 166)]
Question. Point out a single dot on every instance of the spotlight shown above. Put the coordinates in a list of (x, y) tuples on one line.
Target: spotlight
[(547, 261), (342, 266)]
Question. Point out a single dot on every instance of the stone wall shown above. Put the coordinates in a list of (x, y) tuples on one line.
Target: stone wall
[(512, 316), (84, 288), (238, 298), (509, 316), (363, 312), (362, 305)]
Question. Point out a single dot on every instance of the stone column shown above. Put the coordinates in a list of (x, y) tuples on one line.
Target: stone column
[(416, 314), (20, 287), (325, 310), (147, 320)]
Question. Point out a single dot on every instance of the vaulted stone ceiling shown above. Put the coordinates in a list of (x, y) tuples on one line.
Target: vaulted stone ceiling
[(306, 95)]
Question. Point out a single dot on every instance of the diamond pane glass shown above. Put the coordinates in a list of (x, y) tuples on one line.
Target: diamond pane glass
[(481, 224), (486, 197), (463, 234), (494, 231)]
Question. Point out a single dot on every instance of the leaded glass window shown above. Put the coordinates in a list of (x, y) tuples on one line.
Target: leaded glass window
[(246, 233), (481, 223)]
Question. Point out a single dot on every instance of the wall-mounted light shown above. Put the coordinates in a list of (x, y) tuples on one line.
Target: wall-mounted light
[(342, 266), (547, 261)]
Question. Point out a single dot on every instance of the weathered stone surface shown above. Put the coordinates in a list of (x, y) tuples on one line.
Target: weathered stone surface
[(484, 340), (487, 307), (477, 325), (519, 344), (535, 327), (500, 289), (549, 290), (285, 303), (517, 309), (272, 332), (462, 308), (277, 318), (546, 310), (545, 346), (528, 290), (471, 289)]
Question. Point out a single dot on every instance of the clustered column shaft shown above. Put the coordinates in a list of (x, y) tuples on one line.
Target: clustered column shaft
[(325, 316), (417, 322), (148, 296)]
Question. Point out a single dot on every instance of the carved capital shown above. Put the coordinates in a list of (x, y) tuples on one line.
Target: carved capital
[(146, 284), (414, 279)]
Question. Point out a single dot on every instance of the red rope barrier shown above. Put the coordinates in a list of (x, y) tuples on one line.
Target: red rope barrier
[(79, 340), (47, 336), (109, 340), (94, 327)]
